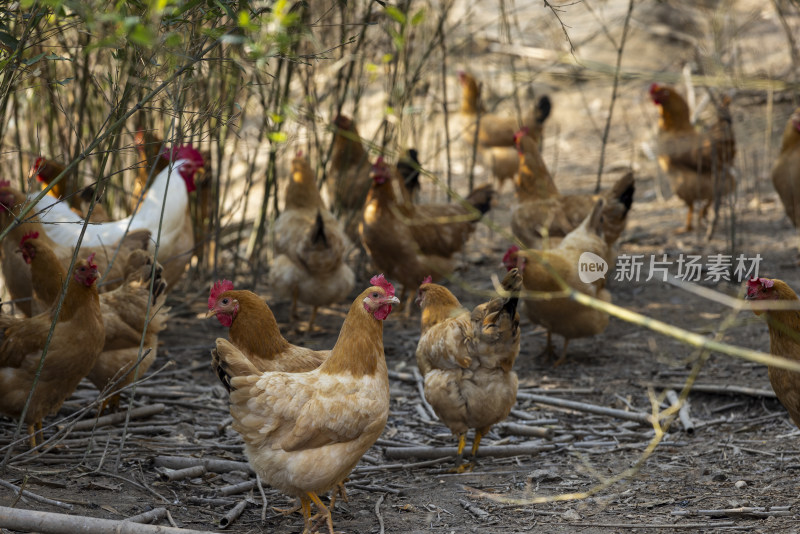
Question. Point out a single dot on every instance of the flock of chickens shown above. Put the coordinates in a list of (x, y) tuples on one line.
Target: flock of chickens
[(93, 295)]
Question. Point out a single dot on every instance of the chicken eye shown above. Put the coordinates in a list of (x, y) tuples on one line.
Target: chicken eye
[(375, 294), (225, 301)]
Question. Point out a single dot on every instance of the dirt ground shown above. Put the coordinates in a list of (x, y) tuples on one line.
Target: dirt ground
[(743, 452)]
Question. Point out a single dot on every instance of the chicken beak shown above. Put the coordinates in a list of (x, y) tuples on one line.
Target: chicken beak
[(211, 313), (392, 300)]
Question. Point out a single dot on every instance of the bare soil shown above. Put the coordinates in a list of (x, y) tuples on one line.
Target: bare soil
[(744, 449)]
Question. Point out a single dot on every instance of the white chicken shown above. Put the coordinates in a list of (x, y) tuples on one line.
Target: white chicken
[(176, 241)]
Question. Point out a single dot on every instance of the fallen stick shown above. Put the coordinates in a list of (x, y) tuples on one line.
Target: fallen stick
[(52, 523), (478, 512), (233, 489), (723, 390), (378, 513), (114, 418), (683, 411), (671, 526), (526, 430), (421, 391), (501, 451), (182, 474), (746, 511), (148, 517), (213, 465), (639, 417), (232, 515), (34, 497)]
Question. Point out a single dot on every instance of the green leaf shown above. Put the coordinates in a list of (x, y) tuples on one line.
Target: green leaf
[(8, 40), (35, 59), (418, 17), (278, 137), (396, 14), (53, 57), (141, 35)]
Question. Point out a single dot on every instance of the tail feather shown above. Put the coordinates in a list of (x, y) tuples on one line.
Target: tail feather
[(481, 198), (228, 362), (623, 190), (408, 167), (619, 200), (318, 231), (543, 108)]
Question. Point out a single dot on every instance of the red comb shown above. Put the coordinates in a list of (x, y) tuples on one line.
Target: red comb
[(29, 235), (763, 282), (428, 279), (509, 262), (383, 283), (90, 261), (299, 153), (219, 287), (5, 183), (653, 88), (512, 249), (184, 152)]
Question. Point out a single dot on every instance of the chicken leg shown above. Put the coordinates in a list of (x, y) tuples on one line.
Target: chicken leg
[(323, 510), (689, 217), (563, 357), (477, 441), (313, 318)]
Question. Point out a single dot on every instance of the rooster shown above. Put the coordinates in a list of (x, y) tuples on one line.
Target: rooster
[(410, 241), (176, 236), (76, 343), (784, 329), (18, 276), (540, 209), (699, 165), (562, 315), (310, 247), (305, 432), (466, 358)]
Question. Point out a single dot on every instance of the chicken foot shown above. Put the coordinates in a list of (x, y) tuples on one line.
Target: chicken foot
[(340, 491), (461, 467), (323, 510)]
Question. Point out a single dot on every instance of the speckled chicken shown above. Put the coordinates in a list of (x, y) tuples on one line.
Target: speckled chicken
[(466, 358)]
